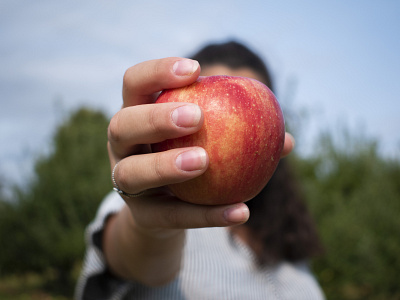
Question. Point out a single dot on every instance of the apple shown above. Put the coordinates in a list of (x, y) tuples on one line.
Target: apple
[(243, 134)]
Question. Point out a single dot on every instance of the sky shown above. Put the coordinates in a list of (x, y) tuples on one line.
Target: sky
[(335, 64)]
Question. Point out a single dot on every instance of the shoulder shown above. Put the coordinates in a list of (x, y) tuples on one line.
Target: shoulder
[(112, 203), (293, 280)]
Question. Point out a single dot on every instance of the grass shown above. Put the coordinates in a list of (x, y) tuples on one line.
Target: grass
[(29, 286), (35, 286)]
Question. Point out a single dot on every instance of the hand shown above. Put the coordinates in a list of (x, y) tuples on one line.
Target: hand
[(148, 232), (140, 123)]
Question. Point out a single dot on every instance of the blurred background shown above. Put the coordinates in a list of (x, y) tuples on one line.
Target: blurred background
[(336, 69)]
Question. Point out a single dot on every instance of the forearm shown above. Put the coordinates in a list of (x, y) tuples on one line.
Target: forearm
[(150, 257)]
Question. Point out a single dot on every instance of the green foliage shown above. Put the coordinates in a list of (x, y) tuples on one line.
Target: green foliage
[(45, 227), (354, 195)]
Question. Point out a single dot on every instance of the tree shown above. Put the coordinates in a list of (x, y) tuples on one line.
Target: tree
[(45, 227), (354, 194)]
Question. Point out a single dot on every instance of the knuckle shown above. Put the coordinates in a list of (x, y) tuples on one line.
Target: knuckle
[(146, 73), (160, 72), (158, 68), (160, 121), (172, 216), (208, 217), (127, 78), (154, 122), (161, 68), (121, 178), (114, 129), (157, 167)]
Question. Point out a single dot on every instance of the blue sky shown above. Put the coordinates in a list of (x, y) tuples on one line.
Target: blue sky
[(338, 61)]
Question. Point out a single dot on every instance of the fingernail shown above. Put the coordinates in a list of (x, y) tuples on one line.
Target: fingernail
[(192, 160), (237, 214), (186, 116), (185, 67)]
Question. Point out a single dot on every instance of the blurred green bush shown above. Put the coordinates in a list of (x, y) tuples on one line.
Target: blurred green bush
[(43, 228), (354, 195)]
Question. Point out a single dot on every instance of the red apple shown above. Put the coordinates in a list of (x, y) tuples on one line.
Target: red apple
[(243, 134)]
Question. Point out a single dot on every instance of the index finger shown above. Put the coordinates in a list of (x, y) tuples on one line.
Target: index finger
[(142, 81)]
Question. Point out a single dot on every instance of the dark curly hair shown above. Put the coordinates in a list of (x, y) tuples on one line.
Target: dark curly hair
[(235, 56), (280, 226)]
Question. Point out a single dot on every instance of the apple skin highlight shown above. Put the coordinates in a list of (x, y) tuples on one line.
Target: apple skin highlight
[(243, 134)]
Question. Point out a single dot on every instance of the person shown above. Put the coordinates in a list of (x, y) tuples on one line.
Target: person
[(148, 244)]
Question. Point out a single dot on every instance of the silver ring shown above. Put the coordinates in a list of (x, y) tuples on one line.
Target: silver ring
[(118, 190)]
